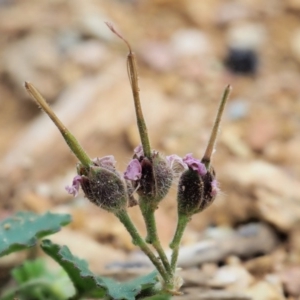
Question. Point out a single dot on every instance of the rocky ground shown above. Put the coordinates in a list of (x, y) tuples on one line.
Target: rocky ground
[(247, 244)]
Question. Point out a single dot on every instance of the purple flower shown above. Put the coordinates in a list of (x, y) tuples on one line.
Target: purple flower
[(214, 188), (195, 164), (133, 170), (173, 159), (176, 163), (74, 188), (107, 162), (138, 151)]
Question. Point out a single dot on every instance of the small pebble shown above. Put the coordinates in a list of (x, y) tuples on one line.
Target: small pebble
[(190, 42), (237, 109), (241, 61)]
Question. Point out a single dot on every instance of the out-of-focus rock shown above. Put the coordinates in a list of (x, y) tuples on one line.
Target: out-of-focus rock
[(261, 132), (246, 36), (293, 4), (13, 259), (294, 245), (269, 206), (260, 266), (69, 106), (233, 277), (209, 269), (232, 137), (237, 109), (167, 122), (220, 243), (244, 41), (36, 203), (90, 55), (291, 280), (98, 255), (276, 193), (202, 13), (263, 290), (157, 55), (217, 244), (190, 42), (295, 43), (232, 12), (211, 294), (89, 19), (14, 21), (104, 226), (8, 262), (34, 58), (286, 153)]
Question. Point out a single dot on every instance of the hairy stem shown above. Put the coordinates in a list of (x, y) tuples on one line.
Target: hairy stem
[(69, 138), (175, 244), (152, 236), (139, 241)]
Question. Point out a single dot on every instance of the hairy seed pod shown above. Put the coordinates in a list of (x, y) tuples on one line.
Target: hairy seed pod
[(101, 184), (163, 175), (147, 185), (152, 178), (196, 191), (105, 189)]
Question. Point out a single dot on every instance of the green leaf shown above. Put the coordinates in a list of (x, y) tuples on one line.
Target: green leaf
[(29, 270), (24, 229), (88, 284), (57, 280), (83, 279), (35, 281), (129, 290)]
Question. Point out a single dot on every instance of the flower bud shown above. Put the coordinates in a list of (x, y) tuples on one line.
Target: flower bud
[(101, 184), (152, 178), (197, 187)]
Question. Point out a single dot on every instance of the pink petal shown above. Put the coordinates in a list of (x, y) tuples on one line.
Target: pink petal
[(133, 171), (139, 152), (214, 188), (105, 161), (74, 188), (175, 159), (195, 164)]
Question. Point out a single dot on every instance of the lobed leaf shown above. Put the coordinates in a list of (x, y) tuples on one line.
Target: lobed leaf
[(22, 230), (90, 285), (129, 290)]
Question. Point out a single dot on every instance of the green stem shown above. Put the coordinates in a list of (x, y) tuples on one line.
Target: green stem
[(139, 241), (69, 138), (212, 140), (175, 244), (152, 236), (40, 283), (133, 78)]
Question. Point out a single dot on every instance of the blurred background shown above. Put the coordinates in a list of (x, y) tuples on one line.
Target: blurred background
[(187, 52)]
